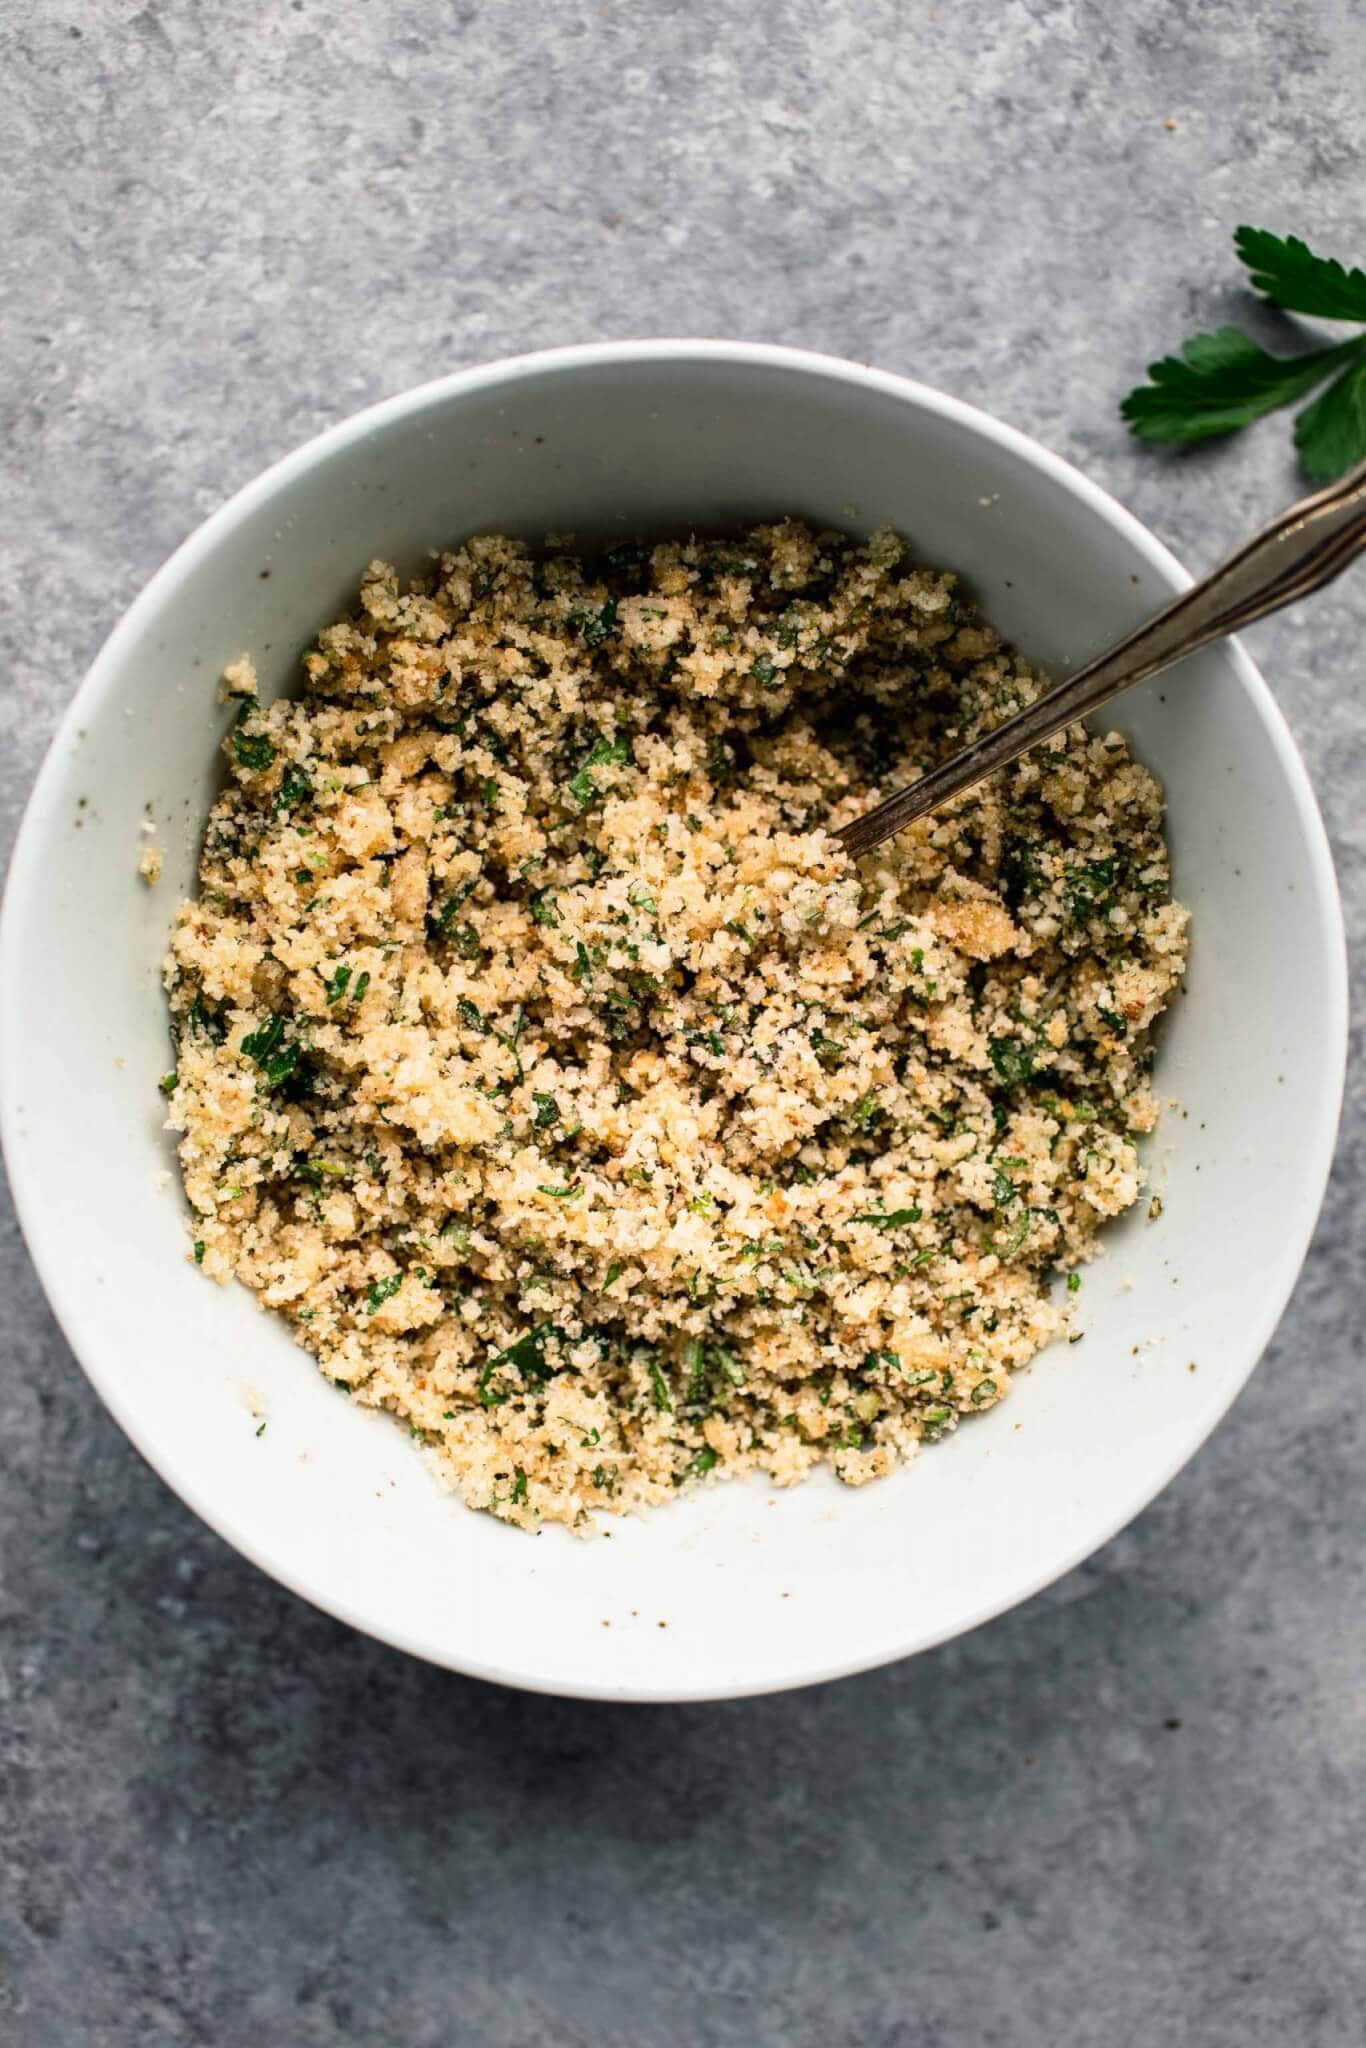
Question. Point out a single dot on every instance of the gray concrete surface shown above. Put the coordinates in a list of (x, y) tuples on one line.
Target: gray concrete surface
[(1131, 1812)]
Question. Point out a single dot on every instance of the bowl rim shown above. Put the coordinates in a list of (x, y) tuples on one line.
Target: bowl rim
[(24, 875)]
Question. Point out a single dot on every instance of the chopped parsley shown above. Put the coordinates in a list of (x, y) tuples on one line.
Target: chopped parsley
[(595, 627), (1005, 1247), (526, 1357), (204, 1022), (275, 1053), (829, 1052), (605, 753), (1012, 1059), (1090, 887), (450, 909), (868, 1113), (382, 1291), (295, 788), (254, 750)]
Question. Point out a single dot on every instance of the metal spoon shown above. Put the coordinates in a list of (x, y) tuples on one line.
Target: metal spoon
[(1299, 552)]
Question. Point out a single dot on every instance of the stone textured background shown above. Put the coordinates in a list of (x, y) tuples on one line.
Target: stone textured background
[(1128, 1812)]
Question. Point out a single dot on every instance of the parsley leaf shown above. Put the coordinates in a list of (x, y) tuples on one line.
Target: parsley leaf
[(1223, 381), (1330, 434), (1294, 278)]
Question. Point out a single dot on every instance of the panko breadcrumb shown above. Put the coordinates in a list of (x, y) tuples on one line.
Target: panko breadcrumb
[(543, 1060)]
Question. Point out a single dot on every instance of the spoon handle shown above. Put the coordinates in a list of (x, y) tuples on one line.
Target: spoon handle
[(1299, 552)]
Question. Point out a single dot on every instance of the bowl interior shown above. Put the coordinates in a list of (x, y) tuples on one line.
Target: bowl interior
[(744, 1588)]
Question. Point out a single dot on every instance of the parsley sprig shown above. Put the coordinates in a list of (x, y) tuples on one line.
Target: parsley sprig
[(1223, 381)]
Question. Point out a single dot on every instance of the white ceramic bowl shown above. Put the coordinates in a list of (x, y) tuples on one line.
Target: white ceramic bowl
[(759, 1590)]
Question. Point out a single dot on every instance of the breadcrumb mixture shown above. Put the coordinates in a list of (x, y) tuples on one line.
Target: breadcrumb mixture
[(548, 1066)]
